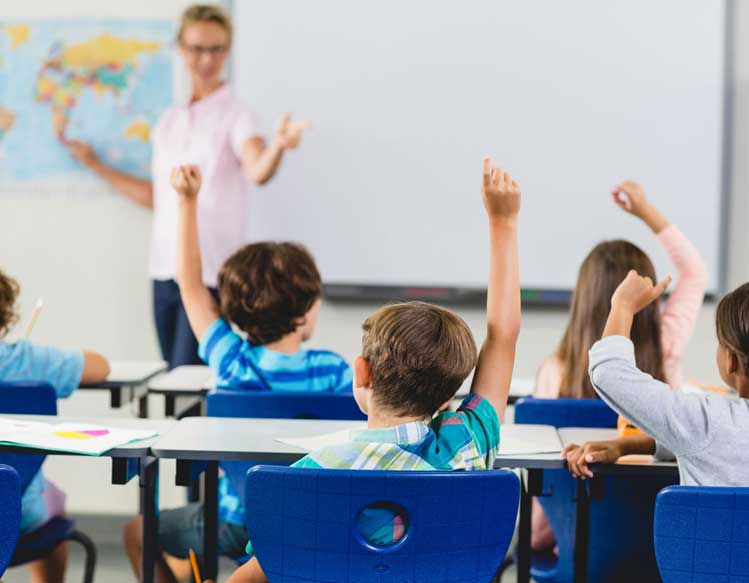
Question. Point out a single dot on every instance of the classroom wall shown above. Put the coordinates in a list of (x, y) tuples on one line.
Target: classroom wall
[(87, 257)]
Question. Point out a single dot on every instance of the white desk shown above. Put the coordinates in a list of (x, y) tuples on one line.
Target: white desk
[(190, 382), (129, 460), (629, 465), (131, 376), (207, 439)]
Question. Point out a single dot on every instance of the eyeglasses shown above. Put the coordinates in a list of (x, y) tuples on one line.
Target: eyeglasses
[(198, 50)]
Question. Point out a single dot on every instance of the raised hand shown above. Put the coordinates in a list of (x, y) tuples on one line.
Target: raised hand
[(630, 196), (637, 291), (500, 192), (289, 133), (186, 180)]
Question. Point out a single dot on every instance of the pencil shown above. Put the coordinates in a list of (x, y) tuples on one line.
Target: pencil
[(34, 315), (195, 569)]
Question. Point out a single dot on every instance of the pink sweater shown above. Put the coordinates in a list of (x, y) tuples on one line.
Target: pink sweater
[(677, 319)]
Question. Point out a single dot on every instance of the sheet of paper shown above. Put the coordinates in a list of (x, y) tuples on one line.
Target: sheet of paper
[(317, 442), (79, 438), (528, 440)]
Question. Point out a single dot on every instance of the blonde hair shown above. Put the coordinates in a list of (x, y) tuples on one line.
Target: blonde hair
[(205, 13)]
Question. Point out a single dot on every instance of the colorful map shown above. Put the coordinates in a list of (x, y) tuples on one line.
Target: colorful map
[(105, 83)]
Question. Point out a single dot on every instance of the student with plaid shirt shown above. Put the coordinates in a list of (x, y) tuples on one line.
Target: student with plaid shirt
[(415, 356)]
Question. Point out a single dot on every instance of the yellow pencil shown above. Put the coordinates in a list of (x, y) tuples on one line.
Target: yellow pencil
[(34, 315), (195, 569)]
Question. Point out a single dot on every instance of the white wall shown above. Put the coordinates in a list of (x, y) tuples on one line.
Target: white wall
[(87, 256)]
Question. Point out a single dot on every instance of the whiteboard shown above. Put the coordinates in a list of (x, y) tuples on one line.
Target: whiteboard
[(406, 97)]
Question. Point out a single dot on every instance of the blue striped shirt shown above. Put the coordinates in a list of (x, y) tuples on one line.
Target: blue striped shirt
[(240, 365)]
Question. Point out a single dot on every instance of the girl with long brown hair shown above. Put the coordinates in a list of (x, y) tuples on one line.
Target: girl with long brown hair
[(659, 335)]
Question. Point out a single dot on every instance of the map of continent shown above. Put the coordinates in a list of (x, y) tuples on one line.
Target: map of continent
[(104, 83)]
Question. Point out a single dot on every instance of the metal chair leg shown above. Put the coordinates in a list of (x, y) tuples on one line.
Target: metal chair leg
[(90, 554)]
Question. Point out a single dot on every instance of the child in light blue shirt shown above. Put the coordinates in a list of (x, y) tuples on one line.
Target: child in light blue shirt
[(64, 371)]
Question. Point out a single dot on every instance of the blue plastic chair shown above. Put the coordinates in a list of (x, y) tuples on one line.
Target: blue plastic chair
[(702, 534), (619, 523), (34, 398), (565, 413), (10, 514), (302, 524)]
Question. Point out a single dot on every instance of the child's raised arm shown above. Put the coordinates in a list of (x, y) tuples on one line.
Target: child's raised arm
[(199, 305), (630, 196), (493, 374)]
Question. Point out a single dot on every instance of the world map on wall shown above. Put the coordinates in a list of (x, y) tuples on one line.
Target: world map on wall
[(104, 83)]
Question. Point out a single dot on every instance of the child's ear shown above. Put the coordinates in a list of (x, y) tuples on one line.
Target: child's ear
[(733, 362), (362, 372), (445, 406)]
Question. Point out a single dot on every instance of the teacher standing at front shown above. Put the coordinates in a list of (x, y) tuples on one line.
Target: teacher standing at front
[(216, 131)]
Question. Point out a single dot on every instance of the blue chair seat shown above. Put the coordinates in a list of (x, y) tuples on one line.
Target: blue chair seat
[(37, 544)]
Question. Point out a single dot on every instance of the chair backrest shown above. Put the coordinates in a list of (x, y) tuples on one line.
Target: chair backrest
[(276, 405), (565, 413), (26, 398), (304, 524), (702, 534), (10, 514), (282, 405), (618, 521)]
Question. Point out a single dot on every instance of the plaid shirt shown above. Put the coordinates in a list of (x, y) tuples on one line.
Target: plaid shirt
[(467, 439)]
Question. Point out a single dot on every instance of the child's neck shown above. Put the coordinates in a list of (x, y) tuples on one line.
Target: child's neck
[(289, 344), (378, 419), (742, 387)]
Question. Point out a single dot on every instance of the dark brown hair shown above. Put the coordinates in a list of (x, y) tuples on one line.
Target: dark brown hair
[(8, 294), (732, 323), (205, 13), (266, 288), (605, 267), (419, 354)]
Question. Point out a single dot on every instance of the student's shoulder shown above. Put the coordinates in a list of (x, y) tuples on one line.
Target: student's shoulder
[(25, 349), (325, 357), (549, 378), (475, 421), (26, 360)]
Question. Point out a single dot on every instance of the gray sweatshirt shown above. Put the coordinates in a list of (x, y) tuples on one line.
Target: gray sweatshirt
[(709, 434)]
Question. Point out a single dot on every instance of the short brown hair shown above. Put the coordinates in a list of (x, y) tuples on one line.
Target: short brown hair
[(605, 267), (8, 294), (419, 354), (205, 13), (265, 288), (732, 323)]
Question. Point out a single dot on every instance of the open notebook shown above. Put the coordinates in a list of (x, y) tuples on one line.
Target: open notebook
[(81, 438)]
